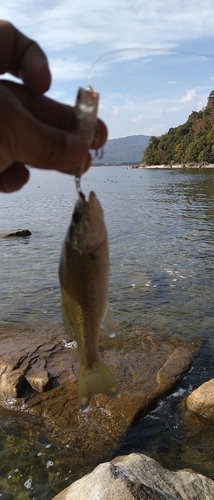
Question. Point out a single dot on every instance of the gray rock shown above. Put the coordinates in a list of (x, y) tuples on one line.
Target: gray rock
[(201, 401), (138, 477)]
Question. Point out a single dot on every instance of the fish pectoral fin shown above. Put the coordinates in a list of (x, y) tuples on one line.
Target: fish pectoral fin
[(67, 323), (95, 380), (108, 323)]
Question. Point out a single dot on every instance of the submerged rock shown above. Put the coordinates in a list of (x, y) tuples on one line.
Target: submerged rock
[(201, 401), (20, 233), (135, 477)]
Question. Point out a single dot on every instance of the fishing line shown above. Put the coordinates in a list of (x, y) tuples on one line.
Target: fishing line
[(143, 49)]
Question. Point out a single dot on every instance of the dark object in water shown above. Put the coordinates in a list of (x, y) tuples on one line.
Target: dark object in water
[(18, 233)]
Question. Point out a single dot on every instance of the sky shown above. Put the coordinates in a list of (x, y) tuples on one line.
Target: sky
[(152, 62)]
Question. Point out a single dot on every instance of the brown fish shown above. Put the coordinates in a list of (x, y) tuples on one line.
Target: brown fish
[(83, 273)]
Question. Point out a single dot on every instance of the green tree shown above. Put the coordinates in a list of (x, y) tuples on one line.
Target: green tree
[(179, 152), (191, 142)]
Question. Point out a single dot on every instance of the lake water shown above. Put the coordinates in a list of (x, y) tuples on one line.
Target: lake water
[(161, 235)]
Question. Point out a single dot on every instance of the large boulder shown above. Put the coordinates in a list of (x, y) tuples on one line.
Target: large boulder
[(201, 401), (135, 477)]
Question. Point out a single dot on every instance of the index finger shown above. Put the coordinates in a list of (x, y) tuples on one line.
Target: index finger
[(50, 112), (22, 57)]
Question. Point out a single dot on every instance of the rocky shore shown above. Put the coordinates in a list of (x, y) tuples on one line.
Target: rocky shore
[(38, 381), (178, 165), (38, 377)]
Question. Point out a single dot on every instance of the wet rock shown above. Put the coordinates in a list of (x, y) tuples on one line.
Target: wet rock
[(12, 383), (145, 364), (173, 369), (135, 477), (201, 401), (39, 379), (20, 233)]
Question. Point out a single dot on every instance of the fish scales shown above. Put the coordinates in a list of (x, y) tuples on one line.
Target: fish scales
[(82, 298), (83, 272)]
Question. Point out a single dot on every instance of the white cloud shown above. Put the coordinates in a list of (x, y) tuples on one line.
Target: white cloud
[(59, 24), (115, 111), (75, 34), (149, 117), (138, 118), (192, 100), (190, 96), (68, 68), (152, 97)]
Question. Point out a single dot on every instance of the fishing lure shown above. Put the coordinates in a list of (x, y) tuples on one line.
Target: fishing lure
[(85, 123)]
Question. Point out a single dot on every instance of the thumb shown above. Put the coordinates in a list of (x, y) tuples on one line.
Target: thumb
[(24, 139)]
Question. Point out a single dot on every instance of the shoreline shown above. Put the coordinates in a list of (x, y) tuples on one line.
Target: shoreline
[(178, 165)]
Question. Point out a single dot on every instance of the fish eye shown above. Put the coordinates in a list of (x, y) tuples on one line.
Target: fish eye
[(76, 217)]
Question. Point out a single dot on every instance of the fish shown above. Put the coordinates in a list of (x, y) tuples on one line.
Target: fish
[(85, 123), (83, 275)]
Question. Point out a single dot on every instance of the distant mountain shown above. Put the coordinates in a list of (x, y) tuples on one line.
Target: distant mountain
[(126, 150)]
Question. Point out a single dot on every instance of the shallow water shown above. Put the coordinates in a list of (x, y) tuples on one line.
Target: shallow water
[(170, 433), (161, 229), (161, 233)]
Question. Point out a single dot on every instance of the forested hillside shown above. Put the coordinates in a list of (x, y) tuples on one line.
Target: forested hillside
[(191, 142)]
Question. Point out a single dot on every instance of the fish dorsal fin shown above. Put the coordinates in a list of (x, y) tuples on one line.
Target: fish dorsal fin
[(108, 323)]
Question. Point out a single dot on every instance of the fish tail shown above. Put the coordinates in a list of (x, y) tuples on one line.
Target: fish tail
[(95, 380)]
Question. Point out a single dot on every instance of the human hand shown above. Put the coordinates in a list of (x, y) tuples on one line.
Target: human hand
[(34, 129)]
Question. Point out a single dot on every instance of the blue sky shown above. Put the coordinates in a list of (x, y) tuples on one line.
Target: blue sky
[(142, 91)]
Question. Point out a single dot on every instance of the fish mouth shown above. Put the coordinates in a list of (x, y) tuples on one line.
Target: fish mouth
[(78, 210), (77, 215)]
